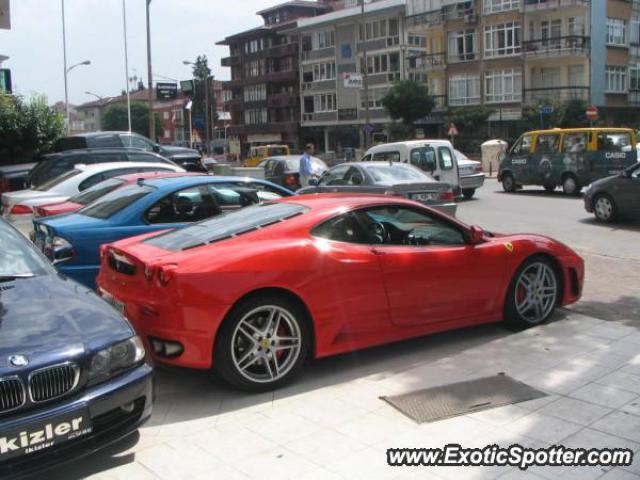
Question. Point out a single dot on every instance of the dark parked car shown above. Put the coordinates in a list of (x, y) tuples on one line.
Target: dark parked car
[(55, 164), (14, 177), (615, 197), (283, 170), (187, 158), (73, 376), (386, 178)]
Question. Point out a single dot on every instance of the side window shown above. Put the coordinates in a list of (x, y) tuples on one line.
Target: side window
[(64, 165), (233, 197), (386, 156), (549, 143), (91, 181), (108, 157), (446, 158), (522, 146), (186, 206), (366, 158), (424, 158), (104, 141), (354, 177), (613, 142), (343, 228), (136, 142), (265, 192), (334, 176), (574, 142), (391, 225)]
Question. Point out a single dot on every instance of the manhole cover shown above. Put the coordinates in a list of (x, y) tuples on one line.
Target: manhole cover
[(445, 401)]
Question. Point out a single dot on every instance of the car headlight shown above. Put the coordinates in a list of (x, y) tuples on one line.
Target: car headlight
[(115, 359)]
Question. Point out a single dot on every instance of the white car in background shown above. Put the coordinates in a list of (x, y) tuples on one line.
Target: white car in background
[(471, 174), (18, 207)]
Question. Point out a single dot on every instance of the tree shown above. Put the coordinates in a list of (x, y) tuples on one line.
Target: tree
[(408, 101), (27, 129), (115, 118), (472, 125), (201, 74)]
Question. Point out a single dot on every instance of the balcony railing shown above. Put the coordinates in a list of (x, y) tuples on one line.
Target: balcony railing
[(230, 61), (571, 45), (537, 5), (283, 50), (428, 62), (454, 57), (535, 95)]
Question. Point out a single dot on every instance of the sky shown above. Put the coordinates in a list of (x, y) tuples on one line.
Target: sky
[(180, 30)]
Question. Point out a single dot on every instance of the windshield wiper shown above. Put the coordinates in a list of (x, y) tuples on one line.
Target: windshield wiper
[(14, 276)]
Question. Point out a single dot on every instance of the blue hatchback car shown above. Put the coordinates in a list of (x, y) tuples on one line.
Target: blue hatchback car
[(73, 241), (73, 376)]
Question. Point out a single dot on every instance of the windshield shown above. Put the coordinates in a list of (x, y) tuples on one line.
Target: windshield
[(226, 226), (396, 173), (97, 191), (17, 256), (317, 165), (107, 206), (50, 184)]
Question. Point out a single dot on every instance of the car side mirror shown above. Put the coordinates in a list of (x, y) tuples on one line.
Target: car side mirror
[(477, 235), (313, 182)]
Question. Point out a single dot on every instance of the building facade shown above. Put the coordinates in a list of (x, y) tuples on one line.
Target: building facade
[(265, 101)]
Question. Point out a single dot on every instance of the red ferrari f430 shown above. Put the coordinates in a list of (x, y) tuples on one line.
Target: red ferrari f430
[(255, 292)]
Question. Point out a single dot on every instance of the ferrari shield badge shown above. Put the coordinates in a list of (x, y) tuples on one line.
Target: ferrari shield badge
[(509, 247)]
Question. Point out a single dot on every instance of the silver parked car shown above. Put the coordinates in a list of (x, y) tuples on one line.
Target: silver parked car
[(471, 174), (384, 178)]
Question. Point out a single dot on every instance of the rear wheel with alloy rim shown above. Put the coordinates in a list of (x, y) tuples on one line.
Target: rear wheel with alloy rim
[(533, 293), (262, 344), (604, 208)]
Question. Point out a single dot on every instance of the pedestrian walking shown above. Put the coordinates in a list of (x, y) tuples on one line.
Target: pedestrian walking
[(305, 170)]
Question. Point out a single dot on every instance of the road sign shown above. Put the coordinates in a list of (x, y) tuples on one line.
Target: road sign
[(592, 113), (166, 91), (545, 109), (369, 128), (352, 80), (453, 130)]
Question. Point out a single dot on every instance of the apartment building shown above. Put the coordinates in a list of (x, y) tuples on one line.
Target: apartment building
[(332, 48), (264, 85)]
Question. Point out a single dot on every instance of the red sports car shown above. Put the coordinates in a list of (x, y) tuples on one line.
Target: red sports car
[(254, 292), (99, 190)]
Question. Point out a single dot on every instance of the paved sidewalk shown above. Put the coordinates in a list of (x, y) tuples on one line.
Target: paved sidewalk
[(330, 423)]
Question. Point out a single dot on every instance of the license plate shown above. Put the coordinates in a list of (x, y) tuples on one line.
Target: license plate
[(111, 300), (424, 197), (44, 434)]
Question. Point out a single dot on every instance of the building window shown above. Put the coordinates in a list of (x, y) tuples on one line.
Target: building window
[(254, 46), (616, 32), (417, 41), (634, 32), (178, 116), (324, 39), (493, 6), (254, 68), (387, 27), (503, 86), (257, 116), (375, 98), (165, 115), (576, 26), (502, 39), (255, 93), (462, 46), (324, 103), (616, 79), (464, 90), (634, 78), (324, 71), (384, 63)]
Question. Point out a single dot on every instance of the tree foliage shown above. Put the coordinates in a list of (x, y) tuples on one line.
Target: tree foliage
[(470, 120), (115, 118), (27, 128), (408, 101), (569, 114)]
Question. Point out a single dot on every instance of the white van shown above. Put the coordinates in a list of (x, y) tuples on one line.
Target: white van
[(435, 157)]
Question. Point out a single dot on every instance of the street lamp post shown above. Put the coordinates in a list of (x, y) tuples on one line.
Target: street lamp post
[(365, 77), (126, 64), (152, 122)]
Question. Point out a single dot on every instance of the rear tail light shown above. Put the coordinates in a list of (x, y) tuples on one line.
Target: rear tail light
[(21, 210), (479, 168), (290, 180), (448, 195)]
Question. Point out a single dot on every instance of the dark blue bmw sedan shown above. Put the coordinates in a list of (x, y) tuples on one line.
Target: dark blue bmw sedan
[(73, 376)]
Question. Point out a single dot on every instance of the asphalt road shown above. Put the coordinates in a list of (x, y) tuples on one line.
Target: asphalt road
[(611, 252)]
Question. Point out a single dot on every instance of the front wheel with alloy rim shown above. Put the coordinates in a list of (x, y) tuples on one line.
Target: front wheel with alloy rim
[(533, 293), (570, 185), (604, 208), (508, 183), (262, 343)]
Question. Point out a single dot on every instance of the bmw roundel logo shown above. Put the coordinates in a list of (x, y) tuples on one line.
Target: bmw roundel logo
[(18, 361)]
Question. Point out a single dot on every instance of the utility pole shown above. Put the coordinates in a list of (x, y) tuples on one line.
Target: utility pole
[(66, 88), (152, 122), (207, 123), (365, 77), (126, 65)]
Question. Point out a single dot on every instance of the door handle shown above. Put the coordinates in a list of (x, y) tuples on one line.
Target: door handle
[(375, 251)]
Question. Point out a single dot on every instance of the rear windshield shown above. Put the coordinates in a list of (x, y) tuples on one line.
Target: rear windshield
[(70, 143), (116, 201), (49, 184), (97, 191), (226, 225), (396, 173)]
